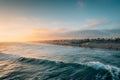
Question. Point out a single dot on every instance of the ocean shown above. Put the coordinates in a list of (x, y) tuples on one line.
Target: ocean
[(35, 61)]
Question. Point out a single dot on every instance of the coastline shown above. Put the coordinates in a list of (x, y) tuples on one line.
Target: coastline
[(110, 44)]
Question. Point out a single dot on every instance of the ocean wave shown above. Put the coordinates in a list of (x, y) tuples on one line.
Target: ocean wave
[(39, 69)]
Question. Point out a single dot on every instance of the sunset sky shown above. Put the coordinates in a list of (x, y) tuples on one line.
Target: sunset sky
[(32, 20)]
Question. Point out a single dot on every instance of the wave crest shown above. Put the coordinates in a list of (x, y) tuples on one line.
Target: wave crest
[(38, 69)]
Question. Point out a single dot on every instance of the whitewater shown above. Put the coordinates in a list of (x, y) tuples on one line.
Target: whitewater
[(35, 61)]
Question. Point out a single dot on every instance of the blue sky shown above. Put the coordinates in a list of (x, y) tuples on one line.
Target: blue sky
[(54, 15)]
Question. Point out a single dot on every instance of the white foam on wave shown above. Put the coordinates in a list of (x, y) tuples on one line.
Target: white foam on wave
[(98, 65), (114, 71)]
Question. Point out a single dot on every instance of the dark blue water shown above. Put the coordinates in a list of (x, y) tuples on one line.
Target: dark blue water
[(27, 61)]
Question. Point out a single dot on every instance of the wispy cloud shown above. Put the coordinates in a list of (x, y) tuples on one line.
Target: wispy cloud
[(74, 34), (25, 29), (92, 23), (42, 33)]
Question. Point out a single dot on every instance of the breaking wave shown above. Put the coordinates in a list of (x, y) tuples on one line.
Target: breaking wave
[(39, 69)]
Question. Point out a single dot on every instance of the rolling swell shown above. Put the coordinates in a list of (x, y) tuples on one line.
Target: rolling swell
[(38, 69)]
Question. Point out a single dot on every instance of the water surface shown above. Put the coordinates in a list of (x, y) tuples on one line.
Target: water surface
[(32, 61)]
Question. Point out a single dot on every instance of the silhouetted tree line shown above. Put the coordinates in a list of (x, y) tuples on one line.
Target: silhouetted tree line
[(80, 41), (105, 43), (102, 40)]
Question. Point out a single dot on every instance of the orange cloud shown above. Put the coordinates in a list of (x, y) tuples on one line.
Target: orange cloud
[(14, 28), (41, 33)]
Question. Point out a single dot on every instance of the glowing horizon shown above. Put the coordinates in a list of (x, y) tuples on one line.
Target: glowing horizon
[(56, 19)]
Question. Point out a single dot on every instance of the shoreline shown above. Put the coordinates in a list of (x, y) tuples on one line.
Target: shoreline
[(90, 47), (109, 44)]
